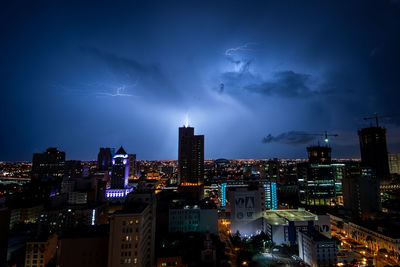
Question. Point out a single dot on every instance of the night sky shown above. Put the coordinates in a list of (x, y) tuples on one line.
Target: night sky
[(80, 76)]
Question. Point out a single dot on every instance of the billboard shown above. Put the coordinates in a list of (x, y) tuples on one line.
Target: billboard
[(245, 207)]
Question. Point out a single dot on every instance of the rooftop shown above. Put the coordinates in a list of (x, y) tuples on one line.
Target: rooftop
[(282, 217)]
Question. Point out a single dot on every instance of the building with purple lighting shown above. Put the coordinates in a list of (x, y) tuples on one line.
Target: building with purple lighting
[(119, 177)]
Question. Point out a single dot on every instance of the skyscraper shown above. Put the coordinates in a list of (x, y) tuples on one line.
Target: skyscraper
[(190, 157), (49, 164), (319, 180), (104, 158), (120, 169), (361, 191), (374, 151), (119, 177)]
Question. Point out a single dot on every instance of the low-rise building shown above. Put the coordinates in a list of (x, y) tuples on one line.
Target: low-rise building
[(282, 226), (316, 249)]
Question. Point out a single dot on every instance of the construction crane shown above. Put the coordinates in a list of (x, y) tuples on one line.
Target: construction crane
[(376, 117), (324, 134)]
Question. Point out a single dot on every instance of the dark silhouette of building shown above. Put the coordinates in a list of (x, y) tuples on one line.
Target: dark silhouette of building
[(4, 230), (361, 194), (190, 157), (85, 246), (374, 151), (104, 158), (49, 164), (319, 154), (73, 168)]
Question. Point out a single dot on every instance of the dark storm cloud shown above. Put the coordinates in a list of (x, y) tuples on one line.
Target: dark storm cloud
[(290, 138), (132, 69), (148, 78), (286, 84)]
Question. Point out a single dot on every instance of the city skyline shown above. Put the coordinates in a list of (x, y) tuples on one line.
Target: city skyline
[(81, 76)]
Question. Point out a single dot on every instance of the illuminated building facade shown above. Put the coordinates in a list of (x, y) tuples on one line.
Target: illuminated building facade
[(374, 151), (269, 196), (319, 180), (190, 157), (282, 226), (119, 177), (196, 218), (130, 242), (316, 249), (271, 200), (40, 252), (394, 163), (246, 204)]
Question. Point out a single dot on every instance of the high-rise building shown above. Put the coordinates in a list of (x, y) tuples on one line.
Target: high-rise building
[(130, 242), (104, 158), (374, 151), (319, 154), (48, 165), (120, 169), (361, 194), (190, 157), (394, 163), (119, 177), (133, 169), (320, 179)]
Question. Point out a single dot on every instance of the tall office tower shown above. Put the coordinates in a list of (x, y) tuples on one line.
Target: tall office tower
[(49, 164), (132, 166), (104, 158), (120, 169), (190, 157), (316, 180), (130, 237), (394, 163), (374, 151), (119, 176), (319, 154), (361, 194)]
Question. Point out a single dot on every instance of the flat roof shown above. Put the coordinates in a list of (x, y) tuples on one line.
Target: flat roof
[(282, 217)]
